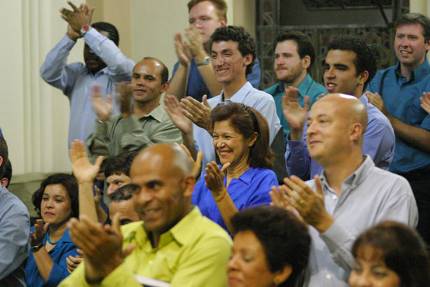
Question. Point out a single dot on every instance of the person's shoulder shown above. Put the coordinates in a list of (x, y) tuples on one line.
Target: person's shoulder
[(272, 90), (262, 172), (10, 203), (394, 184)]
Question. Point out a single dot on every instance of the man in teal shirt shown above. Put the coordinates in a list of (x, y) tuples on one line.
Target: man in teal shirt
[(294, 56), (173, 243)]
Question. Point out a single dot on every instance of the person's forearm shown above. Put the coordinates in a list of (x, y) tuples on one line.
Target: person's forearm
[(227, 208), (87, 204), (208, 75), (178, 83), (417, 137), (43, 262)]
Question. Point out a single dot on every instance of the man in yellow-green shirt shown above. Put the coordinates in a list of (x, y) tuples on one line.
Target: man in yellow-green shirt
[(174, 243)]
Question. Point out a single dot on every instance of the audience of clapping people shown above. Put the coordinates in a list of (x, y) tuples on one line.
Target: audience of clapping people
[(205, 180)]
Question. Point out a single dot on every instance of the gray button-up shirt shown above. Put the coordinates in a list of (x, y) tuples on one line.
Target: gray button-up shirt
[(370, 195), (14, 234)]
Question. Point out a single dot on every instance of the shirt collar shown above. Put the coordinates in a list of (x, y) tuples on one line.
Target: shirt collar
[(240, 95), (419, 73), (356, 178), (157, 113), (303, 86), (247, 176), (183, 232)]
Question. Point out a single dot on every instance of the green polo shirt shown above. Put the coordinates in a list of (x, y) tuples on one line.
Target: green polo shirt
[(308, 87), (193, 253), (121, 134)]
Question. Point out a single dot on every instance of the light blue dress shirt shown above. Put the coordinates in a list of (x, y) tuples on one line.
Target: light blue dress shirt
[(76, 81)]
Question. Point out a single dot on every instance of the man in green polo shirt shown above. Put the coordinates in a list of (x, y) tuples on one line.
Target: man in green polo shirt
[(173, 243), (141, 123), (294, 56)]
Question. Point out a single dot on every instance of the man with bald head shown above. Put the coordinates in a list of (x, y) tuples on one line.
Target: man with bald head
[(173, 243), (142, 123), (351, 194), (348, 67)]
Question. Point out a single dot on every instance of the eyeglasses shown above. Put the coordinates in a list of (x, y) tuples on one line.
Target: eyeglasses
[(125, 192)]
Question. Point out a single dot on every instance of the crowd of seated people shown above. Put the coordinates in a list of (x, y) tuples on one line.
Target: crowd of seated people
[(205, 180)]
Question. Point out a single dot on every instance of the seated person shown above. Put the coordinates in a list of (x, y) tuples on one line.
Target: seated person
[(270, 248), (56, 201), (117, 171), (390, 254), (143, 120), (173, 242), (241, 141), (122, 203)]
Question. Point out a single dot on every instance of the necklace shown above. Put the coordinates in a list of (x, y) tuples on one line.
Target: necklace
[(51, 242)]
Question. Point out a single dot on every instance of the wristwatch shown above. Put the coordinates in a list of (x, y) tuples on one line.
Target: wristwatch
[(36, 248), (206, 60), (84, 29)]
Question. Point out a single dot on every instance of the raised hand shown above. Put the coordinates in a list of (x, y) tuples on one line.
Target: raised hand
[(195, 43), (77, 17), (101, 245), (182, 50), (72, 34), (124, 92), (425, 101), (280, 199), (198, 113), (83, 170), (214, 179), (102, 106), (293, 112), (308, 203), (175, 112)]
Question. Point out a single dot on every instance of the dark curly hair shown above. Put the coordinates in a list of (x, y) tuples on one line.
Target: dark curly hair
[(246, 44), (285, 239), (70, 184), (402, 250), (364, 60), (119, 164), (247, 121)]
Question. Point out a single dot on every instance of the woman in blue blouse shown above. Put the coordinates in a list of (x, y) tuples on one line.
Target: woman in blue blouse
[(56, 201), (241, 141)]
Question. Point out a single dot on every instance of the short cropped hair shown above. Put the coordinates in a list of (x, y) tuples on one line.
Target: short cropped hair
[(68, 181), (304, 44), (112, 31), (220, 5), (164, 74), (402, 250), (4, 154), (415, 18), (285, 239), (247, 121), (246, 43), (119, 164), (7, 172), (364, 60)]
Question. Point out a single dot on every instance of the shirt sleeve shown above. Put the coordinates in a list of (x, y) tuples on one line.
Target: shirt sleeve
[(118, 64), (379, 142), (98, 142), (204, 265), (266, 106), (255, 76), (14, 234), (55, 70), (262, 187), (59, 270)]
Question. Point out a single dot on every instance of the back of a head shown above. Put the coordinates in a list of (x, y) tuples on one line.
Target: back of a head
[(415, 18), (112, 31), (304, 44), (402, 250), (285, 239), (246, 43), (220, 5), (365, 58)]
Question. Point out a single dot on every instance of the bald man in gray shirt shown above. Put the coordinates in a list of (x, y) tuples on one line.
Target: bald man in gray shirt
[(349, 196)]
